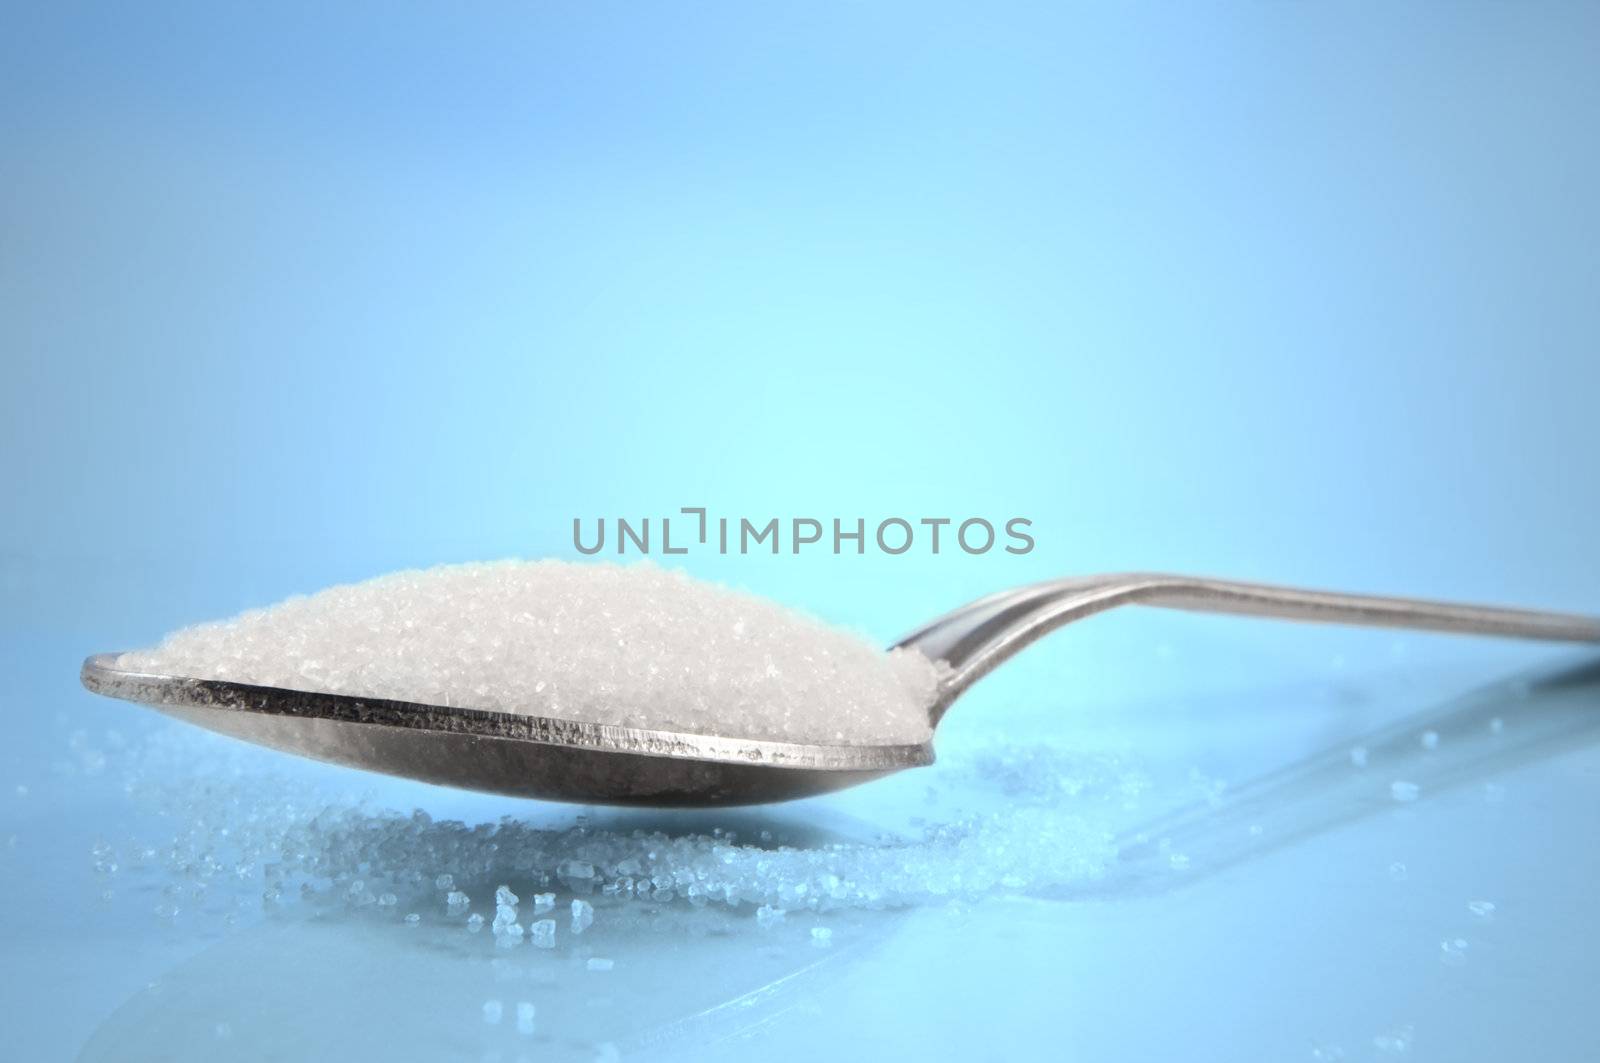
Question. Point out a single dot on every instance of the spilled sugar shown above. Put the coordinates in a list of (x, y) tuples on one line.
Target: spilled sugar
[(632, 645), (1027, 817)]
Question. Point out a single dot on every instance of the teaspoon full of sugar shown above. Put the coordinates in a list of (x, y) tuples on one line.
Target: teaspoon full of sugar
[(634, 684)]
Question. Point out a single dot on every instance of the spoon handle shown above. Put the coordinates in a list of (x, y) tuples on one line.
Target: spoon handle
[(976, 638), (1289, 603)]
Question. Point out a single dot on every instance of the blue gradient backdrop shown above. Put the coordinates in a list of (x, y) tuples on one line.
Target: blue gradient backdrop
[(297, 294), (293, 296)]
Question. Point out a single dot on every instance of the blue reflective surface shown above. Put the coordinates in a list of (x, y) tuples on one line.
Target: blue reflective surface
[(290, 297)]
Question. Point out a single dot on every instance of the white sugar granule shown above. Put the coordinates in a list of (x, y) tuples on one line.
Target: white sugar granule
[(635, 645)]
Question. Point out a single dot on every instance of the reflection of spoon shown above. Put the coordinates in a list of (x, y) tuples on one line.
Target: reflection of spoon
[(1469, 740), (348, 988), (564, 760)]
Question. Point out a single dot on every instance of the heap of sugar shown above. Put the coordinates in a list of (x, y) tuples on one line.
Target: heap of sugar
[(633, 645)]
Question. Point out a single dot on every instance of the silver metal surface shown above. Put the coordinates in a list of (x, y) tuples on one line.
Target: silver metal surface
[(533, 756), (976, 638), (507, 753)]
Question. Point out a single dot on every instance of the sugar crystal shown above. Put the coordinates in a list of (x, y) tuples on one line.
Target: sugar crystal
[(576, 875), (1395, 1042)]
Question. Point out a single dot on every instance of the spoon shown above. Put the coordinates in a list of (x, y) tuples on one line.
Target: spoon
[(562, 760)]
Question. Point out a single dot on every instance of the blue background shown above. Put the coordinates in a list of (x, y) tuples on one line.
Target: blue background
[(291, 296)]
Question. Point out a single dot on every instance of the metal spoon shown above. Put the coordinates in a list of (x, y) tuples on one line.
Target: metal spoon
[(531, 756)]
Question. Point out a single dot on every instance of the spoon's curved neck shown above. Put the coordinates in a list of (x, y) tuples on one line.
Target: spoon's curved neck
[(976, 638)]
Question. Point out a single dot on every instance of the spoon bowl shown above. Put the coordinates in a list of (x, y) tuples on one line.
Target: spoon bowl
[(564, 760), (508, 753)]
